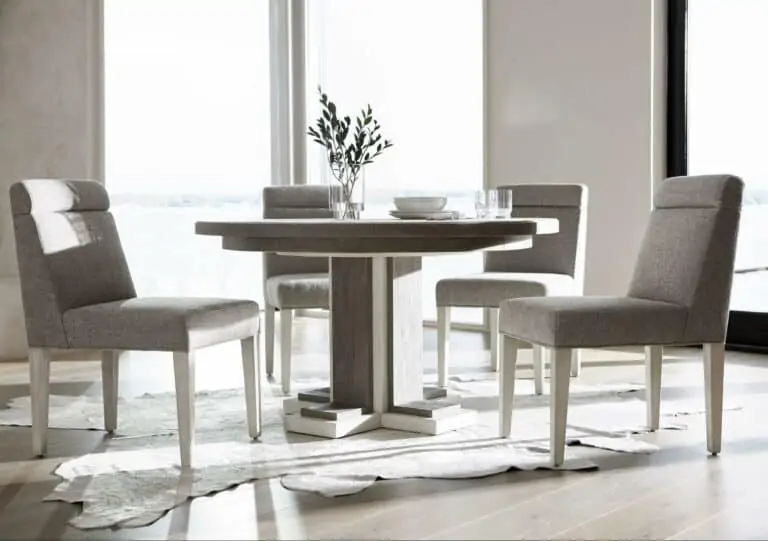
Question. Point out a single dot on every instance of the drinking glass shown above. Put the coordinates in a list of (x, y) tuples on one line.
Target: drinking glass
[(482, 204), (493, 203), (503, 203)]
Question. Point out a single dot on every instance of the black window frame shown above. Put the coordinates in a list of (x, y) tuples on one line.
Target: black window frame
[(677, 88)]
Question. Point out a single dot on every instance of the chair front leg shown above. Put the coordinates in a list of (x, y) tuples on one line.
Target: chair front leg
[(493, 324), (560, 359), (110, 363), (286, 339), (269, 331), (507, 369), (653, 361), (443, 344), (252, 383), (39, 383), (714, 377), (184, 374)]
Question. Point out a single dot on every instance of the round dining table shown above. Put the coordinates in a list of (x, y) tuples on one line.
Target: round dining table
[(376, 322)]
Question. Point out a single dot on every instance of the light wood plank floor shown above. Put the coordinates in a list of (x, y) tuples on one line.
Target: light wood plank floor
[(677, 493)]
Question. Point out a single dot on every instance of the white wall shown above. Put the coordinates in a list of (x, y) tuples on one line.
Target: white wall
[(49, 118), (572, 95)]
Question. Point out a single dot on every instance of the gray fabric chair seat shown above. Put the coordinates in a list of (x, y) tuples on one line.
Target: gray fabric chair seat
[(490, 288), (294, 291), (160, 323), (585, 322)]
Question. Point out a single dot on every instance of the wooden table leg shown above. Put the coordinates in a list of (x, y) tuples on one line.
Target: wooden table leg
[(350, 406), (412, 406)]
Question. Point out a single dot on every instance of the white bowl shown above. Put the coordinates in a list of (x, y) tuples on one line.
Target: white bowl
[(420, 204)]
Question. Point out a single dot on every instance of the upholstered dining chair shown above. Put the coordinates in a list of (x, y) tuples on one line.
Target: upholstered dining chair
[(292, 282), (679, 295), (553, 266), (78, 293)]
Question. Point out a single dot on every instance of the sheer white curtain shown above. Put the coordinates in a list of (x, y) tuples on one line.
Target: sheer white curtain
[(419, 64)]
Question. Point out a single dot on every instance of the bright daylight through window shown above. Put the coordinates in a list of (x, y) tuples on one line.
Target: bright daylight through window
[(188, 122)]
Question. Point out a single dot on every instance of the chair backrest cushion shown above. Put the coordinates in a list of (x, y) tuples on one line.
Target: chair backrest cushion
[(69, 253), (561, 253), (285, 202), (688, 252)]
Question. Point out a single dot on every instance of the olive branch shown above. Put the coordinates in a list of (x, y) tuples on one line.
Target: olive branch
[(347, 156)]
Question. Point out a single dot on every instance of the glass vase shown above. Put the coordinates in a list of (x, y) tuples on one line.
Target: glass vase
[(348, 199)]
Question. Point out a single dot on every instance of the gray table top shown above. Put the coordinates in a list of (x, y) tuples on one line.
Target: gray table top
[(372, 238), (372, 229)]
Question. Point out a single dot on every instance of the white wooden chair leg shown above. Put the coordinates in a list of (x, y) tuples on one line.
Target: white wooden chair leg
[(110, 369), (252, 376), (653, 360), (443, 344), (507, 384), (714, 375), (184, 374), (538, 369), (493, 324), (575, 363), (39, 383), (269, 331), (286, 328), (560, 359)]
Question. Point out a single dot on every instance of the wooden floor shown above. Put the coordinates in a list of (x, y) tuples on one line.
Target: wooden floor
[(677, 493)]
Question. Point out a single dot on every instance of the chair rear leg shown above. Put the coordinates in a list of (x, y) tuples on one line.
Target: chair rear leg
[(538, 369), (443, 343), (575, 363), (269, 345), (714, 376), (493, 324), (653, 362), (110, 370), (286, 339)]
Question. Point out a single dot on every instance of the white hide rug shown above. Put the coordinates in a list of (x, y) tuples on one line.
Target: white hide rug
[(132, 478)]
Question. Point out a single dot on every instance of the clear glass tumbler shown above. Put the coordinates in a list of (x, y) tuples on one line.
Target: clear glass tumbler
[(493, 203), (482, 205), (502, 203)]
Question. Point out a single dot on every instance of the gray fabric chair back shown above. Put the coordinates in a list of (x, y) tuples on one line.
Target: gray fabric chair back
[(69, 253), (295, 202), (562, 253), (687, 254)]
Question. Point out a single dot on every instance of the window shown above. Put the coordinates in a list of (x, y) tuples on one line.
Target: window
[(726, 117), (419, 64), (187, 137)]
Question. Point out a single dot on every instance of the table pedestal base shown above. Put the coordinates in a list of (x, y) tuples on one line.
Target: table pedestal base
[(376, 357), (312, 413), (332, 428)]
